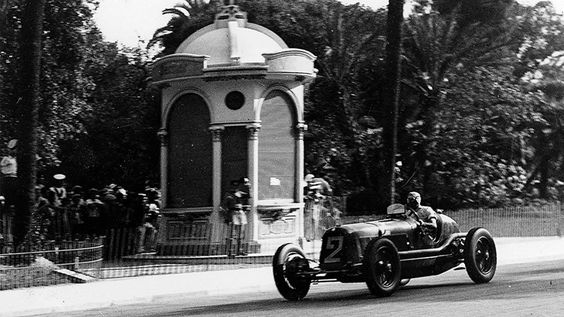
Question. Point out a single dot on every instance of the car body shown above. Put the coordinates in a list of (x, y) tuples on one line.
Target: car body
[(385, 254)]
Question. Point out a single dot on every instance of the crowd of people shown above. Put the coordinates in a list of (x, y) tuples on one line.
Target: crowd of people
[(79, 213), (69, 213)]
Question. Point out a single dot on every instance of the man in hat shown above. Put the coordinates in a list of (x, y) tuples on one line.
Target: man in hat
[(425, 215), (316, 191), (58, 190)]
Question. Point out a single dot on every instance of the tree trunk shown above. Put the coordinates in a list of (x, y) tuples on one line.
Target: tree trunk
[(27, 112), (391, 102), (4, 4)]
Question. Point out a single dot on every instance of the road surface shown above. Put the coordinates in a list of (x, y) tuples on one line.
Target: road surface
[(530, 289)]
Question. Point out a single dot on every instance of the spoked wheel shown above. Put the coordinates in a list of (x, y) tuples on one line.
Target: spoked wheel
[(288, 261), (382, 267), (480, 256)]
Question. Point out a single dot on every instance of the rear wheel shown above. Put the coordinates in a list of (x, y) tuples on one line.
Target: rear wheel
[(287, 262), (480, 255), (382, 267)]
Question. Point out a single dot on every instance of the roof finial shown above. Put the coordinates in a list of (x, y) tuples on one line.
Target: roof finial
[(230, 12)]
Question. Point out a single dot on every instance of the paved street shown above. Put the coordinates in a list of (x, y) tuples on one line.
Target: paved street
[(531, 289)]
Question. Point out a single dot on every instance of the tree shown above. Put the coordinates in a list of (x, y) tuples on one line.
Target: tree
[(186, 18), (120, 143), (541, 57), (391, 101), (438, 42), (32, 30), (481, 148), (4, 4), (84, 83)]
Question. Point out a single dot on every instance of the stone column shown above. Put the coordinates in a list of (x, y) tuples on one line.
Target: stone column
[(163, 137), (215, 218), (253, 130), (300, 130)]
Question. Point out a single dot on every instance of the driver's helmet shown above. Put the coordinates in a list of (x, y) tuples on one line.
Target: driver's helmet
[(413, 198)]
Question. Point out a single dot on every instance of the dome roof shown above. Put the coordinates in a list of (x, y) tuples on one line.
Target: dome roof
[(232, 41)]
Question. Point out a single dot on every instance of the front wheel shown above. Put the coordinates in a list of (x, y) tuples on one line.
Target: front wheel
[(480, 256), (382, 267), (288, 261)]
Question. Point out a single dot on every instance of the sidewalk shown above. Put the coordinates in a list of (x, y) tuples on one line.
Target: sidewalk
[(158, 288)]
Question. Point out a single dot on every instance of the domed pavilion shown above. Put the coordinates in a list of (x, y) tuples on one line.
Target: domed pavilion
[(232, 107)]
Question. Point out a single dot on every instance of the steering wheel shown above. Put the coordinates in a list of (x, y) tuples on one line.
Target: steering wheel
[(424, 229), (419, 222)]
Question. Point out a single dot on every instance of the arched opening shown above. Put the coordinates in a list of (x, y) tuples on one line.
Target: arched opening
[(234, 161), (190, 154), (276, 151)]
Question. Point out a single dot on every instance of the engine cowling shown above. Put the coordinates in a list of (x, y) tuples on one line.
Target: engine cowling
[(345, 244)]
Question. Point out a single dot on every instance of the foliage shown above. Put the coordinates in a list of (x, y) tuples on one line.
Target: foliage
[(480, 113), (442, 48), (88, 88), (480, 149), (120, 144), (469, 127)]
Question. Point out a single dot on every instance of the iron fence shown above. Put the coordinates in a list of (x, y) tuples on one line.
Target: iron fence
[(530, 221), (51, 263)]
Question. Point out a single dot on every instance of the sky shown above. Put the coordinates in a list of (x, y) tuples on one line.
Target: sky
[(128, 21)]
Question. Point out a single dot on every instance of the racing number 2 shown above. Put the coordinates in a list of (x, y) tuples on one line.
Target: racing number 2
[(335, 244)]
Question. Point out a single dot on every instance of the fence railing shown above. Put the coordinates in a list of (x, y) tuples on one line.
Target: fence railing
[(43, 266), (531, 221), (118, 253)]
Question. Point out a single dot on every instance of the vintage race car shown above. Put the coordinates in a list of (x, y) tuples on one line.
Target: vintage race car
[(385, 254)]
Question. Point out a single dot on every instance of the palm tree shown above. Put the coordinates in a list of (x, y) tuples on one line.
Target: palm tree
[(434, 44), (347, 42), (187, 17)]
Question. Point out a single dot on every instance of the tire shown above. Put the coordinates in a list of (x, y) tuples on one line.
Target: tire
[(288, 260), (382, 267), (480, 255)]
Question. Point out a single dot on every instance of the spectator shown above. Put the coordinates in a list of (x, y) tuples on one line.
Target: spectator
[(245, 192), (154, 197), (228, 203), (120, 210), (44, 222), (9, 171), (146, 219), (240, 212), (95, 213), (316, 190), (151, 225), (234, 206), (77, 214), (59, 190), (5, 223)]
